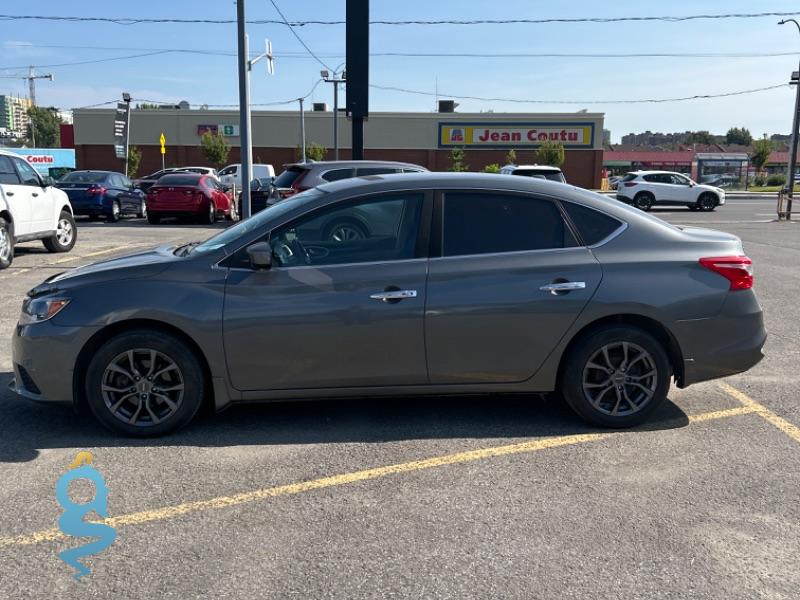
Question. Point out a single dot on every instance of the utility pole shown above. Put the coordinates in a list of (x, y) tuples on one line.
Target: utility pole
[(335, 79), (357, 42), (302, 131), (126, 97), (245, 66), (795, 80)]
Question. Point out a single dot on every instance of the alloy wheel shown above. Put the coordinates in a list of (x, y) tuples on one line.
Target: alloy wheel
[(346, 233), (5, 244), (64, 232), (142, 387), (620, 379)]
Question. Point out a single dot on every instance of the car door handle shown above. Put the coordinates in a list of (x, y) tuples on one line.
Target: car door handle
[(564, 286), (394, 295), (35, 194), (9, 193)]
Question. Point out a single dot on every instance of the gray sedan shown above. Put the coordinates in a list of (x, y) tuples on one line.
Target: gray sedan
[(469, 284)]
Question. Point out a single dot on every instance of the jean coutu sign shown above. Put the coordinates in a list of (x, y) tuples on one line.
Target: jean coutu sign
[(513, 135)]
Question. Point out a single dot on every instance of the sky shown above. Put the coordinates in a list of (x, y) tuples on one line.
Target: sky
[(212, 79)]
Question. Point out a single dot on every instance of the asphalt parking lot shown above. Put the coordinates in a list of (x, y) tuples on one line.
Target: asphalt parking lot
[(460, 498)]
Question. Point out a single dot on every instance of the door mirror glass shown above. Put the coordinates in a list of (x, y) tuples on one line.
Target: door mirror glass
[(260, 255), (47, 181)]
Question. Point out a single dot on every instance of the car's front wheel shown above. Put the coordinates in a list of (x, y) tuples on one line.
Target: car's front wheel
[(144, 383), (6, 244), (707, 202), (66, 233), (616, 376)]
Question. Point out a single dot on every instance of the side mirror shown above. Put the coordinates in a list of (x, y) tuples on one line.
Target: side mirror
[(260, 255), (47, 181)]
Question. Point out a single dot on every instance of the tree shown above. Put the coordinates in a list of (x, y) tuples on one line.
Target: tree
[(760, 154), (44, 130), (492, 168), (739, 135), (511, 157), (457, 156), (550, 153), (700, 137), (214, 148), (145, 105), (134, 160)]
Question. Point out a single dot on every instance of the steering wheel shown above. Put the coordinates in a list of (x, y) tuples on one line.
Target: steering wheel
[(291, 252)]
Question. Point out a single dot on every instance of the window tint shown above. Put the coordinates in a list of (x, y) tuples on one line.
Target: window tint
[(338, 174), (484, 223), (117, 181), (593, 226), (412, 171), (27, 173), (363, 172), (85, 177), (7, 172), (376, 230), (678, 180), (190, 180), (229, 170), (629, 177), (541, 174), (288, 177), (126, 182)]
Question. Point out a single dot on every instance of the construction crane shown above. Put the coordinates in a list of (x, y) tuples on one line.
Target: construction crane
[(31, 78)]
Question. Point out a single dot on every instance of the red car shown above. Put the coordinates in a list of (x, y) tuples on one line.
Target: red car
[(189, 195)]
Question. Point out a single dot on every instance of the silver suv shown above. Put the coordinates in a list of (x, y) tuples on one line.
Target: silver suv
[(299, 177)]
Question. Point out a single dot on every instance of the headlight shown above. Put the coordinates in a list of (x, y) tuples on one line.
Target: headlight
[(36, 310)]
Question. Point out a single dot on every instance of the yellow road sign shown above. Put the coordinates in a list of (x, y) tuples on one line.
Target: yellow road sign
[(163, 140)]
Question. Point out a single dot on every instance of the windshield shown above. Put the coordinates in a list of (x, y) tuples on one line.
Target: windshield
[(228, 170), (258, 220), (85, 177)]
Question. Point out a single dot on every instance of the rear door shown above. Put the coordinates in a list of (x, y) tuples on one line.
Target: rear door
[(332, 313), (17, 196), (509, 282)]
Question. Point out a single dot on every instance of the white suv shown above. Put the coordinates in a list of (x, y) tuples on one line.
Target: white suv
[(645, 189), (536, 171), (31, 210)]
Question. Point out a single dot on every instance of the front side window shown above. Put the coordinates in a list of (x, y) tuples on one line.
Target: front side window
[(489, 222), (27, 173), (8, 174), (679, 180), (375, 230)]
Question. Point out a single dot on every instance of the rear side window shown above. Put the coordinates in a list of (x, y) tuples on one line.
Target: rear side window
[(288, 177), (486, 223), (365, 171), (593, 226), (7, 172), (338, 174), (629, 177)]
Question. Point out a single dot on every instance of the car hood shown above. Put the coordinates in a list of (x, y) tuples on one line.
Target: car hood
[(141, 264), (710, 188)]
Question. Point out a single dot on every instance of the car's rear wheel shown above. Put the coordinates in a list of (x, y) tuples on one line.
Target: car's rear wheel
[(113, 217), (211, 216), (144, 384), (616, 376), (707, 202), (65, 236), (644, 201), (6, 244), (153, 219)]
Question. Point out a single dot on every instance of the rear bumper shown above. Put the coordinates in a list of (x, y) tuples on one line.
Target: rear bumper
[(724, 345)]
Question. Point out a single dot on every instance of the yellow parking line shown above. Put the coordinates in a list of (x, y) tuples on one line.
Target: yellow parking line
[(762, 411), (169, 512), (20, 271)]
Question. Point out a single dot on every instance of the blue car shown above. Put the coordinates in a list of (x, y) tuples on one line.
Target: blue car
[(103, 194)]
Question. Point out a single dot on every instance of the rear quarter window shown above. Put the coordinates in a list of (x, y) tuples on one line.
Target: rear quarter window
[(593, 226)]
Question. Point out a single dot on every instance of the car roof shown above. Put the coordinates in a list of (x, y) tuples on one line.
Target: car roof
[(353, 163), (538, 167), (9, 153), (656, 172), (95, 171)]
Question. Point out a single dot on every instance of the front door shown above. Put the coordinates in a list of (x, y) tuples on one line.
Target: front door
[(510, 282), (41, 208), (17, 196), (342, 305)]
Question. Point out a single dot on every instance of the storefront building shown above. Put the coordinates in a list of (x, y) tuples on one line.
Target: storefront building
[(425, 139)]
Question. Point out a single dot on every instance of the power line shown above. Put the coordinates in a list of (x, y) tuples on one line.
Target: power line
[(543, 101), (665, 18), (297, 35)]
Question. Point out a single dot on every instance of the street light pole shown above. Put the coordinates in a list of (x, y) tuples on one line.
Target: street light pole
[(245, 147), (793, 143), (335, 79), (302, 130)]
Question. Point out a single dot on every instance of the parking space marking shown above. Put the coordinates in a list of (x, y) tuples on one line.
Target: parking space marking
[(790, 429), (20, 271), (170, 512)]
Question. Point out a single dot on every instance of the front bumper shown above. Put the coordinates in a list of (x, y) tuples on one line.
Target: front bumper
[(43, 357), (724, 345)]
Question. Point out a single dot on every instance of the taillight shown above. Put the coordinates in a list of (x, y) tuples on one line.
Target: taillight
[(630, 183), (736, 269), (296, 183), (97, 190)]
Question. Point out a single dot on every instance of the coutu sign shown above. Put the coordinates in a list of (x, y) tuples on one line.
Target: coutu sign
[(512, 135)]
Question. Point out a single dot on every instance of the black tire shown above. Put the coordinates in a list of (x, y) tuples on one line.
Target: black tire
[(6, 244), (153, 219), (233, 215), (211, 217), (142, 211), (355, 231), (142, 343), (576, 373), (644, 201), (66, 234), (707, 202), (114, 216)]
